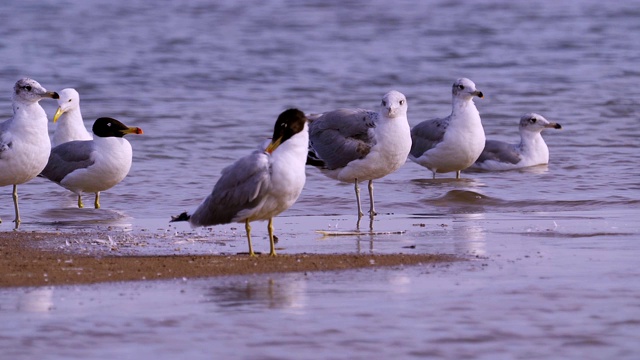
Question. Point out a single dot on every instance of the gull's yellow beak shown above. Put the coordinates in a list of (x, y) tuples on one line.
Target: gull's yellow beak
[(57, 115), (133, 130), (273, 145)]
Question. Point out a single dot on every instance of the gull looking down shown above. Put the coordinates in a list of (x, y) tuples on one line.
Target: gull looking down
[(452, 143), (531, 151), (24, 138), (260, 185), (354, 145)]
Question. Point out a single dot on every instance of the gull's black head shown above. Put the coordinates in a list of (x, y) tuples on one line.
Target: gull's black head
[(289, 123), (109, 127)]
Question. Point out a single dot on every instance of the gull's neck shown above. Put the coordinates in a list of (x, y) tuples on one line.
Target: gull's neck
[(530, 141), (29, 114), (462, 105), (392, 129), (72, 116)]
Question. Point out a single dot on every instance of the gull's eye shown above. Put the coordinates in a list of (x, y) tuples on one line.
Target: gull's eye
[(27, 87), (69, 100), (461, 87), (401, 102), (384, 103), (533, 120)]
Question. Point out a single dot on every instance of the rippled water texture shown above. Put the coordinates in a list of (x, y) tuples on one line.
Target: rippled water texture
[(205, 80)]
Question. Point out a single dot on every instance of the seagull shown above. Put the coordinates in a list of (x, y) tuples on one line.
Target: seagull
[(96, 165), (69, 118), (531, 151), (354, 145), (70, 126), (452, 143), (260, 185), (24, 138)]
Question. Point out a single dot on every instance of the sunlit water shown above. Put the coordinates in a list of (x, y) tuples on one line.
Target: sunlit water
[(556, 267)]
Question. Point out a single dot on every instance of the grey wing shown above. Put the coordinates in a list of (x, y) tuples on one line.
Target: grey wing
[(4, 126), (5, 143), (499, 151), (427, 134), (242, 185), (341, 136), (67, 158)]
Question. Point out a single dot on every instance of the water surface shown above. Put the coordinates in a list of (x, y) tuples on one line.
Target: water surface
[(555, 274)]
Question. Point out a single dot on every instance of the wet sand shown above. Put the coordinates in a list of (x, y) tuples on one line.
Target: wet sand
[(25, 262)]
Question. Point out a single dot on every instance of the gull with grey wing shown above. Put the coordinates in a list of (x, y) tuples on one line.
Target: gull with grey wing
[(24, 138)]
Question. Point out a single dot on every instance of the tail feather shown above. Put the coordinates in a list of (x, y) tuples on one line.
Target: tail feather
[(313, 159), (182, 217)]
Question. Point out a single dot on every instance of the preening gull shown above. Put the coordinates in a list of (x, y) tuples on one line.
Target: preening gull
[(261, 185), (531, 151), (68, 117), (24, 138), (91, 166), (354, 145), (452, 143)]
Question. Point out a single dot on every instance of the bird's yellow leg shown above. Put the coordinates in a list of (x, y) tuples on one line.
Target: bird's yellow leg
[(247, 228), (15, 205), (372, 210), (273, 246), (96, 204), (357, 189), (80, 204)]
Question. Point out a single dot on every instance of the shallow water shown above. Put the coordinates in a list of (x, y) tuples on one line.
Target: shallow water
[(535, 286), (206, 82)]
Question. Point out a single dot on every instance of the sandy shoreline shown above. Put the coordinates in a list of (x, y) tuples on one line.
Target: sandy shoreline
[(22, 263)]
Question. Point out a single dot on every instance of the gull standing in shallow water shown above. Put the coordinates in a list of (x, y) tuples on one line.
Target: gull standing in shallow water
[(531, 151), (70, 125), (24, 139), (261, 185), (68, 117), (452, 143), (353, 145), (93, 165)]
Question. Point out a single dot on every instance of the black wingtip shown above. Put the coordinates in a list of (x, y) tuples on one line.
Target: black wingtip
[(314, 160), (182, 217)]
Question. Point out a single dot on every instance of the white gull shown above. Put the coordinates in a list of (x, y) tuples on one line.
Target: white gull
[(24, 138), (354, 145), (531, 151), (68, 117), (452, 143)]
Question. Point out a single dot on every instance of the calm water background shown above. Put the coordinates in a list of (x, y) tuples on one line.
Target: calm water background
[(557, 245)]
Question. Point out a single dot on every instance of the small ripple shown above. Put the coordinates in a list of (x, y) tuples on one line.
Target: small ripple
[(494, 336), (454, 199)]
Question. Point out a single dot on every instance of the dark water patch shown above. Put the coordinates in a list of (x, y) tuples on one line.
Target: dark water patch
[(551, 233), (464, 197), (457, 200)]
